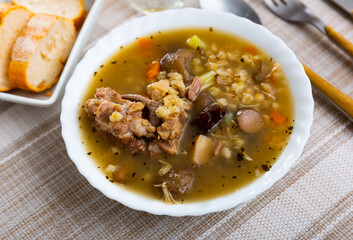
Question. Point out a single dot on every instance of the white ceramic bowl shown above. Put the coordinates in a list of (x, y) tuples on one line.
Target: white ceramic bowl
[(173, 19)]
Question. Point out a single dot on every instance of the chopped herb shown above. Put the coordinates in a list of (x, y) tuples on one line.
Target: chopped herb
[(265, 167)]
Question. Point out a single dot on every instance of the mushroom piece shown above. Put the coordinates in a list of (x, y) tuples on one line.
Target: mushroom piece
[(179, 181), (202, 101), (178, 61), (249, 121), (150, 104), (262, 73)]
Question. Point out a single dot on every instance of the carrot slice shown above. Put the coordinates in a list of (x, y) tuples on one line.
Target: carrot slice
[(153, 69), (277, 118), (250, 49), (144, 42)]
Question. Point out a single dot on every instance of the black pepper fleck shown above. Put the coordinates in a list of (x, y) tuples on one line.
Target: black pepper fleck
[(240, 156), (265, 167), (89, 153)]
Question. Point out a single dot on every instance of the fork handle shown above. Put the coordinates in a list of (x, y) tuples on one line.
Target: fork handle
[(339, 39), (338, 98)]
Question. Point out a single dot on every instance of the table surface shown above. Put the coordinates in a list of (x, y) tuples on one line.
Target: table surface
[(42, 195)]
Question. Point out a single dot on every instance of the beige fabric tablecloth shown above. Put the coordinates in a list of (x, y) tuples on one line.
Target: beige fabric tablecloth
[(43, 196)]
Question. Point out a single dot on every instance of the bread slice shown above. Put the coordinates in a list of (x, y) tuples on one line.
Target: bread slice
[(71, 9), (12, 19), (40, 52)]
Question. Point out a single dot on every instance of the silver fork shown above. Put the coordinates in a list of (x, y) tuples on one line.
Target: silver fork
[(296, 11)]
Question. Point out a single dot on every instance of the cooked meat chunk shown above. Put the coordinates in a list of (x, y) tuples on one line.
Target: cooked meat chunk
[(209, 117), (194, 88), (168, 146), (108, 94), (179, 181), (178, 61), (121, 173), (250, 121), (262, 72), (124, 121), (158, 90), (150, 104)]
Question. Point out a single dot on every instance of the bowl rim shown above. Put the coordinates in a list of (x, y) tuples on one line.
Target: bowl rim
[(189, 18)]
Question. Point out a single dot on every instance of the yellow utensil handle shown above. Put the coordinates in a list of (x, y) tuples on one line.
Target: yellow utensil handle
[(339, 39), (341, 100)]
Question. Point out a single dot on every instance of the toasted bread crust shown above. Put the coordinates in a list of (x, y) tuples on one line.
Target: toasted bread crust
[(31, 48), (77, 19), (16, 26)]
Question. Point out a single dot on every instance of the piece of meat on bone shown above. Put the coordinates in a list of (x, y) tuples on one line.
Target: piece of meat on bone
[(129, 128), (150, 104)]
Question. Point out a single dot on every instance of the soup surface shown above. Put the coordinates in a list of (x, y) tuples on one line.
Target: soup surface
[(187, 115)]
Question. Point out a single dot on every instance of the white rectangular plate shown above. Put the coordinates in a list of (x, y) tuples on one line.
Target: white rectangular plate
[(93, 7)]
